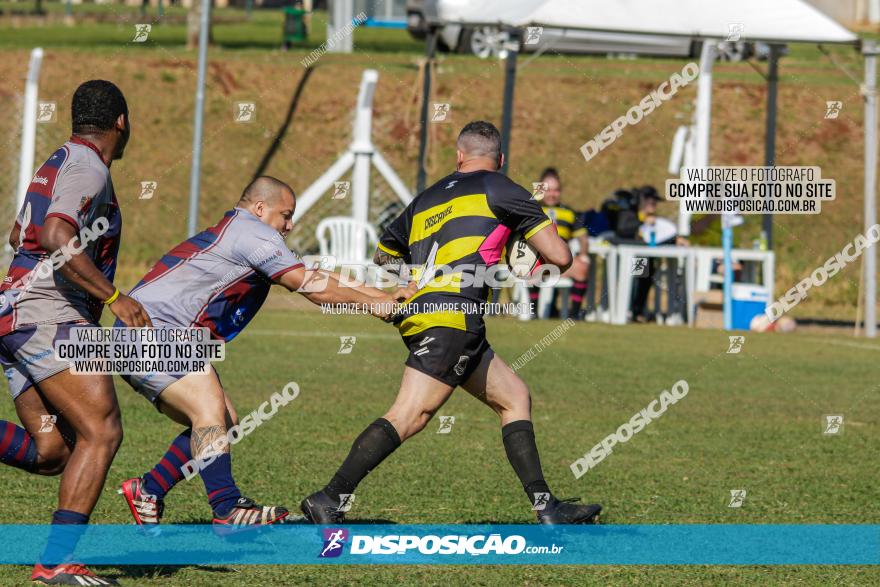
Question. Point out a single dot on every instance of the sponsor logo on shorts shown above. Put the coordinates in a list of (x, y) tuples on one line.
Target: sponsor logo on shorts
[(461, 365), (424, 350)]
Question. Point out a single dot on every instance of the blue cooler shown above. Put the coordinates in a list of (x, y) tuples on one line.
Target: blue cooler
[(749, 300)]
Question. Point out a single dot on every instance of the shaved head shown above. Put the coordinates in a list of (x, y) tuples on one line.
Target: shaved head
[(272, 201), (265, 189), (480, 139)]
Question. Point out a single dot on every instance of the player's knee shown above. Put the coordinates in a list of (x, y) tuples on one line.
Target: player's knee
[(112, 435), (52, 458), (517, 399), (106, 432), (420, 422), (408, 423), (211, 410), (52, 464)]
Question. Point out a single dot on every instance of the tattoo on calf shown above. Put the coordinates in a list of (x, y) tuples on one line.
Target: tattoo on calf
[(209, 441)]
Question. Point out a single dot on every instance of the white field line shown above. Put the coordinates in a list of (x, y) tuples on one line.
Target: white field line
[(280, 332), (855, 345)]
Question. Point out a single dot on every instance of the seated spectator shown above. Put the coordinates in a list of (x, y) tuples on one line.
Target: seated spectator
[(569, 227), (653, 229)]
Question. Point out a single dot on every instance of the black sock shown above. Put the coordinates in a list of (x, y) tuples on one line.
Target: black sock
[(578, 291), (522, 452), (373, 446)]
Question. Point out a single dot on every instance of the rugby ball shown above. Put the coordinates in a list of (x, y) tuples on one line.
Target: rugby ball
[(761, 323), (521, 257)]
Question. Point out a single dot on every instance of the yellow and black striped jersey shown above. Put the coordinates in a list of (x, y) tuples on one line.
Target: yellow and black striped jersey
[(568, 222), (461, 224)]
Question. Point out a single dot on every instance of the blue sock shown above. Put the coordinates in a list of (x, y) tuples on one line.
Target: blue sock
[(221, 488), (17, 448), (67, 527), (169, 471)]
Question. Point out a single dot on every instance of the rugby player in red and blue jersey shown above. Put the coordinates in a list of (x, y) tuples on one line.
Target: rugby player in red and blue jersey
[(61, 277), (218, 280)]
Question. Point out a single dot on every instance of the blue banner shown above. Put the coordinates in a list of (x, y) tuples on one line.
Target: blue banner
[(298, 544)]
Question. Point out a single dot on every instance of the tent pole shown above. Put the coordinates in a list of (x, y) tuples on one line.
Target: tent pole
[(703, 131), (509, 85), (770, 133), (430, 48), (869, 50)]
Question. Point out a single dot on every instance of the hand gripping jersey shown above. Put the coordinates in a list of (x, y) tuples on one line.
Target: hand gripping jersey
[(74, 185), (217, 279), (462, 222)]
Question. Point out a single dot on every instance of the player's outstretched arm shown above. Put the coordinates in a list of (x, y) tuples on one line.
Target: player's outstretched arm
[(324, 287), (551, 247), (59, 235)]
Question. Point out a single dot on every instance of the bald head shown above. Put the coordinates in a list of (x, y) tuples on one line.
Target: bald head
[(266, 189), (272, 201)]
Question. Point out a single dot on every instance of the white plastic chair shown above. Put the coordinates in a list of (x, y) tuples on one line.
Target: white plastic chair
[(351, 242)]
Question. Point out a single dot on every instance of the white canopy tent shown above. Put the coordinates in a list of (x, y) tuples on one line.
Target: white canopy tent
[(776, 23)]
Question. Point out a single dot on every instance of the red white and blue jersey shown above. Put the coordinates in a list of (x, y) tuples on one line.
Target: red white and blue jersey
[(217, 279), (74, 185)]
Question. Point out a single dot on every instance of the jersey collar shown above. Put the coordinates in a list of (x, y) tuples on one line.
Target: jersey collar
[(90, 145)]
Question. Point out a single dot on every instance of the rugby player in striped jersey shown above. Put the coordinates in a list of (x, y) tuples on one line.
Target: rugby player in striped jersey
[(463, 222)]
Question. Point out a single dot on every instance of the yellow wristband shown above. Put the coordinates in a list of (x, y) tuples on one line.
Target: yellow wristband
[(112, 298)]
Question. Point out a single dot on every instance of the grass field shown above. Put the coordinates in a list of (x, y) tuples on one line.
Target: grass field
[(750, 421)]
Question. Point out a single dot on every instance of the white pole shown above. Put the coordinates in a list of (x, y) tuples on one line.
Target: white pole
[(703, 132), (362, 147), (360, 154), (341, 15), (702, 123), (676, 155), (704, 104), (363, 116), (195, 173), (332, 9), (869, 50), (29, 127)]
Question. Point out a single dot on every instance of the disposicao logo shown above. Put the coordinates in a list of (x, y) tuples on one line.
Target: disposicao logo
[(334, 540)]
